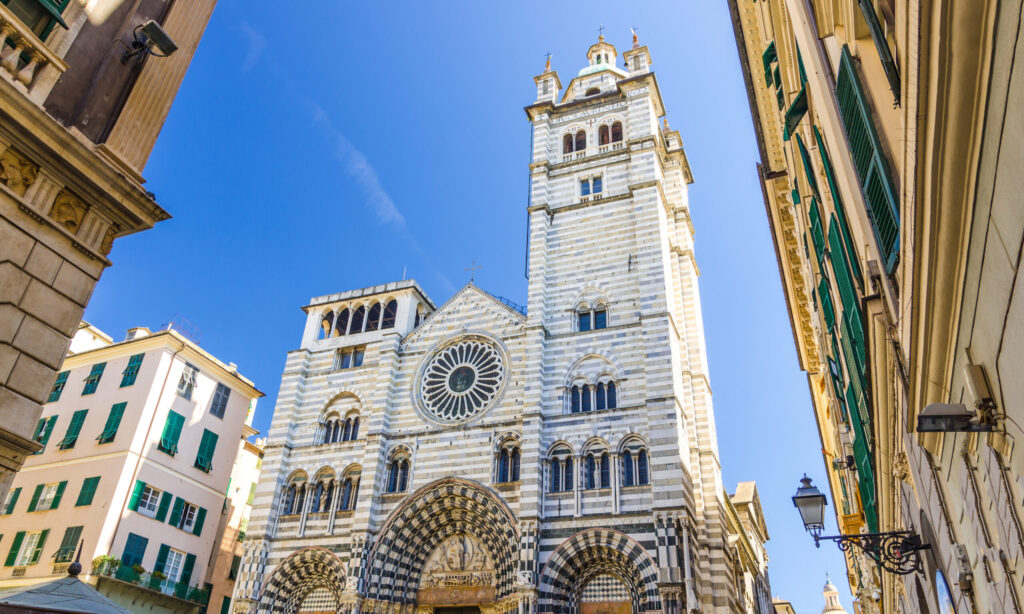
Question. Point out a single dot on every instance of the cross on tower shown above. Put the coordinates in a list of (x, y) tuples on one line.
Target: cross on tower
[(600, 30), (472, 270)]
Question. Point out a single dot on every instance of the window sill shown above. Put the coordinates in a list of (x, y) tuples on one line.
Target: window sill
[(343, 513), (564, 494), (290, 517), (636, 487), (203, 469), (507, 485), (394, 495), (592, 411), (336, 443), (170, 453), (606, 489)]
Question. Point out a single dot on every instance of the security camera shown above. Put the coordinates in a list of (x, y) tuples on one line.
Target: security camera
[(150, 39)]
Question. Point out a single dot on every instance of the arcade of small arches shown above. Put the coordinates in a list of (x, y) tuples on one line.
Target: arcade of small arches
[(606, 135), (335, 429), (359, 319), (595, 466), (324, 494), (453, 544)]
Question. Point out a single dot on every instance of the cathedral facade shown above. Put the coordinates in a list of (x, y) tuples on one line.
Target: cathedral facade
[(483, 457)]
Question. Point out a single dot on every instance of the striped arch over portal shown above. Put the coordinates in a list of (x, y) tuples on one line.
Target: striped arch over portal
[(593, 553), (300, 574), (447, 507)]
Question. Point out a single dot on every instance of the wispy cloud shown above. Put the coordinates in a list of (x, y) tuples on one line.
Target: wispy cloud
[(257, 43)]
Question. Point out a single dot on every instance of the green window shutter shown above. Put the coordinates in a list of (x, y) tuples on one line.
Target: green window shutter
[(795, 113), (800, 64), (812, 178), (132, 370), (74, 429), (186, 571), (12, 555), (236, 561), (112, 424), (134, 550), (769, 57), (204, 460), (844, 227), (179, 506), (45, 431), (225, 605), (817, 231), (88, 491), (872, 169), (780, 96), (165, 504), (58, 387), (12, 501), (68, 544), (57, 495), (39, 547), (825, 296), (252, 493), (133, 502), (171, 434), (892, 73), (93, 379), (161, 558), (197, 528), (865, 470), (35, 497)]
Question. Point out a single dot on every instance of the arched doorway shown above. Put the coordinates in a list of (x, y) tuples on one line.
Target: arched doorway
[(450, 548), (599, 571), (309, 581)]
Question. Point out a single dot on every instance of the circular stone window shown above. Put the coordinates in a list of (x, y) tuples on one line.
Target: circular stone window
[(461, 380)]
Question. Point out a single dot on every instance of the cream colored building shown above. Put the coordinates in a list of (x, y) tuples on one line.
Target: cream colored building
[(138, 440), (890, 141), (748, 534), (78, 120)]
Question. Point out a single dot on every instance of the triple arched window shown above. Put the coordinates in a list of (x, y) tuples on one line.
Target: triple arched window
[(589, 397), (609, 134), (350, 321), (574, 142), (507, 465), (398, 472), (336, 429)]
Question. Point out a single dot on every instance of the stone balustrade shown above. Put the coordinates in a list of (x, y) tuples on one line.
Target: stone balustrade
[(23, 57)]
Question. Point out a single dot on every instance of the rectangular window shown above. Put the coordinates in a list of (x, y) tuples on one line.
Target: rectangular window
[(112, 424), (93, 379), (584, 187), (74, 429), (134, 550), (11, 501), (43, 431), (600, 319), (236, 561), (220, 400), (172, 432), (590, 186), (225, 603), (188, 517), (173, 564), (187, 383), (39, 15), (204, 460), (31, 547), (58, 387), (66, 552), (350, 357), (131, 371), (88, 491), (47, 496), (149, 501), (827, 310), (844, 227), (869, 160), (584, 321)]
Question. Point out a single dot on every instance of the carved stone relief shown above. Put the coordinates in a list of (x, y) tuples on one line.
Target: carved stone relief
[(460, 570), (68, 211), (16, 171)]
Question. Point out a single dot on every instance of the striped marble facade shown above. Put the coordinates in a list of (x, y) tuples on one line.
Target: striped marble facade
[(627, 250)]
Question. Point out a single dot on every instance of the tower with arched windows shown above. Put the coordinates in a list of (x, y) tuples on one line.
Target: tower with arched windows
[(559, 458)]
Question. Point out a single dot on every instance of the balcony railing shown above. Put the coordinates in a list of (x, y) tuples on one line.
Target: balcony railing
[(24, 57), (124, 573)]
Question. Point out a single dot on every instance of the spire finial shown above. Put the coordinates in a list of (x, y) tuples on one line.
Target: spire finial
[(547, 65), (636, 37), (600, 33), (664, 124)]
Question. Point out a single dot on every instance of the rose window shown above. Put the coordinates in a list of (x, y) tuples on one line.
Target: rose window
[(462, 380)]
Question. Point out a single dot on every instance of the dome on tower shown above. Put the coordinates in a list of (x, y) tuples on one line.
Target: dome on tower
[(602, 56)]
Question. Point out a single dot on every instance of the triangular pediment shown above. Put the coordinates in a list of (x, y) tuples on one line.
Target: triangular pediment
[(462, 312)]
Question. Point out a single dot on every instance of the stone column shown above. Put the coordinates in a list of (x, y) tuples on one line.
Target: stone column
[(615, 470), (334, 505), (578, 470), (307, 501)]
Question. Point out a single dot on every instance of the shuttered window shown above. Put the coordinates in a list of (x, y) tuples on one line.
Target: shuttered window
[(58, 387), (172, 432), (868, 158), (66, 552), (43, 431), (12, 500), (892, 73), (74, 429), (862, 459), (134, 550), (825, 298), (220, 400), (89, 486), (796, 111), (769, 57), (113, 422), (817, 231), (204, 459), (844, 226), (93, 379), (132, 370)]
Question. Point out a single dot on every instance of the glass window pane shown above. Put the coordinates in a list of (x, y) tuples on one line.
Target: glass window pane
[(600, 319), (584, 321)]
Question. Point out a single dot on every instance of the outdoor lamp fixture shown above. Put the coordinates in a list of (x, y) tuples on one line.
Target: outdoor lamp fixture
[(895, 551), (151, 39), (957, 417)]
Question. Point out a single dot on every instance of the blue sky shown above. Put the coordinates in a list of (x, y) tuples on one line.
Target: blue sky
[(317, 151)]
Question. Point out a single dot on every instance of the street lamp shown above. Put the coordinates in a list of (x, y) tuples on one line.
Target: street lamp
[(897, 552)]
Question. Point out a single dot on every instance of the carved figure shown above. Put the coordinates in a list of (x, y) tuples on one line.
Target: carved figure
[(68, 211), (16, 171)]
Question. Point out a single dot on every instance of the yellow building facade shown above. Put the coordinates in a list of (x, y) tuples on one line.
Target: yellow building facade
[(882, 128)]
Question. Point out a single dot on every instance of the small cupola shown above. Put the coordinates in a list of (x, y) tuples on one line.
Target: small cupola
[(638, 59), (548, 84), (602, 56)]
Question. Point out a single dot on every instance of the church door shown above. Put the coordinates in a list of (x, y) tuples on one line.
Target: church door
[(469, 609)]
